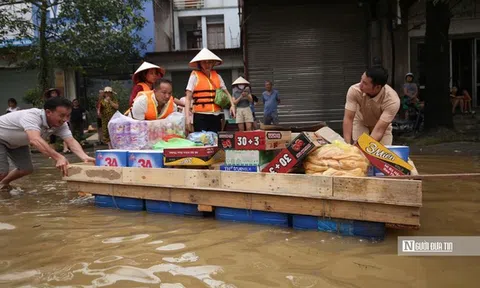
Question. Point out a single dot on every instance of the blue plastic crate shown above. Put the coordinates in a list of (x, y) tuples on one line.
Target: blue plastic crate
[(270, 218), (251, 216), (124, 203), (166, 207), (340, 226), (304, 222), (104, 201)]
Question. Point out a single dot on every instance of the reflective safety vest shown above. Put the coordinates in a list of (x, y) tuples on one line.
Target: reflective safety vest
[(145, 87), (204, 92), (152, 109)]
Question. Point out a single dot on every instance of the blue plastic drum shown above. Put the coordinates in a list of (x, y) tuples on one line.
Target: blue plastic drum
[(402, 152)]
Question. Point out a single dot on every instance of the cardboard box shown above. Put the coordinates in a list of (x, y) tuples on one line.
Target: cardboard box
[(254, 140), (193, 156), (145, 158), (327, 134), (298, 149), (382, 158), (112, 158), (248, 157), (241, 168)]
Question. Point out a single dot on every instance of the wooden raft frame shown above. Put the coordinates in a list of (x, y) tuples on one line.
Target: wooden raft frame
[(390, 201)]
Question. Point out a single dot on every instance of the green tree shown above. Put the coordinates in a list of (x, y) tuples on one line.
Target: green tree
[(84, 34)]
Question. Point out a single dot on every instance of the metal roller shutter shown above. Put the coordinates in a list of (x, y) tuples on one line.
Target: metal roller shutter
[(312, 53)]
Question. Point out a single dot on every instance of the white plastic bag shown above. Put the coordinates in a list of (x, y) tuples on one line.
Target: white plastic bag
[(130, 134)]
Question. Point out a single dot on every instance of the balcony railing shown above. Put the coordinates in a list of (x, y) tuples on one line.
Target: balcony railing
[(188, 4)]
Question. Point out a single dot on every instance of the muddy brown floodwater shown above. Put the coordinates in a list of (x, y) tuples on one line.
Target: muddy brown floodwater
[(50, 237)]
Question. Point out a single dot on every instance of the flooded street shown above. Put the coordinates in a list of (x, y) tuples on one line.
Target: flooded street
[(50, 237)]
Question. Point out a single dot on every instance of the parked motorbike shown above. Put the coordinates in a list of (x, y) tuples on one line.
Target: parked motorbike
[(413, 124)]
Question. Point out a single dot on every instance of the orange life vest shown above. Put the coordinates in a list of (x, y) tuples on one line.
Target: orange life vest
[(152, 110), (204, 92), (145, 87)]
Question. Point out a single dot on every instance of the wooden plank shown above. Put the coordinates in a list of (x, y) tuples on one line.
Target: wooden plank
[(404, 193), (279, 184), (89, 173), (434, 176), (294, 205), (386, 191), (205, 208), (263, 183)]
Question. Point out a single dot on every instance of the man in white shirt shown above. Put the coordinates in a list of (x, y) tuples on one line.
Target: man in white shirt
[(156, 104), (30, 127)]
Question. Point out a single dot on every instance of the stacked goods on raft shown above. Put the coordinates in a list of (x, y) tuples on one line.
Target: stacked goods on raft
[(336, 159), (250, 151), (130, 134)]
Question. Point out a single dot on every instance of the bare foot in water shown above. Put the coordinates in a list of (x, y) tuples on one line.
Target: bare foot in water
[(5, 191)]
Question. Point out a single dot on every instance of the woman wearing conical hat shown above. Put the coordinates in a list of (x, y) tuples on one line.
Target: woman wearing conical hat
[(242, 100), (200, 93), (144, 78)]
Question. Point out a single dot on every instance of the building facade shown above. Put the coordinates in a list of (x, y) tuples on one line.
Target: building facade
[(184, 27), (464, 41), (311, 51)]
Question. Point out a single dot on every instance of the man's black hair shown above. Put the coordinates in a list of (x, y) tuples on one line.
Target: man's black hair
[(52, 103), (161, 81), (12, 100), (378, 74)]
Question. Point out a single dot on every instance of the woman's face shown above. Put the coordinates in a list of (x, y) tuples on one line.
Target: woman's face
[(409, 79), (454, 90), (108, 94), (53, 93), (152, 75), (207, 65)]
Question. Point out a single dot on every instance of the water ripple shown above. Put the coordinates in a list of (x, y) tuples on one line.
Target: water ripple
[(125, 238)]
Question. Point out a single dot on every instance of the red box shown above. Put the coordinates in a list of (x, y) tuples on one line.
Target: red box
[(299, 148), (254, 140)]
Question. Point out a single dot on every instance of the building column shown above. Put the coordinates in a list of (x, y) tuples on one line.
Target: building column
[(176, 31), (204, 32)]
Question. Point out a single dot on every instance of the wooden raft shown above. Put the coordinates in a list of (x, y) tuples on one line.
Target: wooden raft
[(384, 200)]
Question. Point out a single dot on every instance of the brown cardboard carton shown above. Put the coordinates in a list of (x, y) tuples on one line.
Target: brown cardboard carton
[(382, 158), (193, 156), (298, 149), (254, 140)]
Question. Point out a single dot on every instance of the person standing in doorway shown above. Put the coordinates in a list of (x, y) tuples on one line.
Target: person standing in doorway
[(99, 117), (12, 105), (77, 120), (271, 99), (108, 107)]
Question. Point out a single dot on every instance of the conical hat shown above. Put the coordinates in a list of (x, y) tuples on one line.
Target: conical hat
[(240, 80), (46, 95), (203, 55), (146, 66)]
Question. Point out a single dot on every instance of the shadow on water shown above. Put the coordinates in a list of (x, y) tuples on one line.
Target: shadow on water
[(50, 237)]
